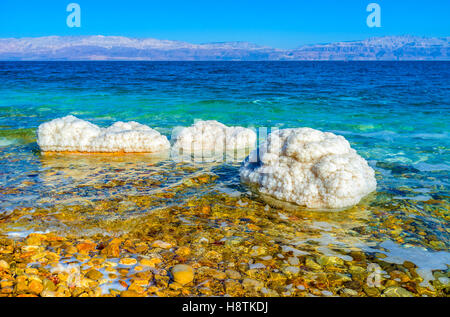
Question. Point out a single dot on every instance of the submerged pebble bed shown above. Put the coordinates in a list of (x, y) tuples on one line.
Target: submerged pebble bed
[(117, 225)]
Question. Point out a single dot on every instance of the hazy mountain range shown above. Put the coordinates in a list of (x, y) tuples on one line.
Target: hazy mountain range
[(100, 47)]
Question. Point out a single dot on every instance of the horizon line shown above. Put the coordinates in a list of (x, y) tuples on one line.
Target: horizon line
[(122, 48)]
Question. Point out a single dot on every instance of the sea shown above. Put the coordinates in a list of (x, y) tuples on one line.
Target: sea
[(395, 114)]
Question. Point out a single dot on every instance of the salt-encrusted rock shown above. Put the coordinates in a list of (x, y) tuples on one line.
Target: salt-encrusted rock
[(70, 134), (213, 137), (309, 168), (183, 274)]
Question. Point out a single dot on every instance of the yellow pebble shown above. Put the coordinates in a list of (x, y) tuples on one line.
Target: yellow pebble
[(128, 261), (150, 262), (183, 274)]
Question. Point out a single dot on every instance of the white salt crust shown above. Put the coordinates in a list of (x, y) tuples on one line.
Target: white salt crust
[(75, 135), (309, 168), (213, 137)]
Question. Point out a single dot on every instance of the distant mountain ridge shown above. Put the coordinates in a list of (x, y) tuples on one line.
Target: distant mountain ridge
[(99, 47)]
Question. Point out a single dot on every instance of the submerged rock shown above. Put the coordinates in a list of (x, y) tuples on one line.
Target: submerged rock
[(4, 265), (70, 134), (94, 274), (252, 284), (395, 291)]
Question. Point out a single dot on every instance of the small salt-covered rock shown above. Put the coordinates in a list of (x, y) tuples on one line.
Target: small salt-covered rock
[(212, 137)]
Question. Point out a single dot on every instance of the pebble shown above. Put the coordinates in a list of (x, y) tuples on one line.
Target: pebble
[(233, 288), (71, 249), (350, 292), (183, 251), (128, 261), (371, 291), (291, 270), (293, 260), (175, 286), (86, 247), (4, 265), (409, 265), (46, 293), (129, 294), (94, 275), (235, 275), (266, 258), (150, 262), (330, 261), (357, 256), (6, 284), (355, 270), (161, 244), (258, 250), (444, 280), (295, 252), (256, 266), (214, 256), (341, 278), (113, 248), (312, 264), (183, 274), (219, 275), (110, 264), (33, 239), (35, 287), (252, 284)]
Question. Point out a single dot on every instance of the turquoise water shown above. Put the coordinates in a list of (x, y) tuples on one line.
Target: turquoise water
[(396, 114)]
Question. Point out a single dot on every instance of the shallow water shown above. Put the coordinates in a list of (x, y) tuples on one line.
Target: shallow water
[(395, 114)]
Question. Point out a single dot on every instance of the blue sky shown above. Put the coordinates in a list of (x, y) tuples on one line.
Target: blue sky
[(282, 23)]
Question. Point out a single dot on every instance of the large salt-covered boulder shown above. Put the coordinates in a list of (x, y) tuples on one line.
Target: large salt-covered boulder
[(70, 134), (212, 136), (309, 168)]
